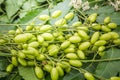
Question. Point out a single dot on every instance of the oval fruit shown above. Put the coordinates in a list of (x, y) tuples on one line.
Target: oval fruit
[(77, 24), (105, 29), (107, 20), (69, 16), (94, 37), (105, 36), (83, 34), (112, 25), (39, 72), (48, 68), (56, 13), (60, 70), (44, 17), (81, 54), (75, 63), (54, 74), (100, 43), (14, 61), (45, 28), (74, 39), (60, 22), (89, 76), (22, 61), (84, 45), (65, 44), (10, 68), (92, 17), (101, 48), (47, 36), (71, 56)]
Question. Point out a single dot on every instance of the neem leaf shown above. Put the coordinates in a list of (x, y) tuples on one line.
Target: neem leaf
[(27, 73), (12, 7), (73, 75), (110, 68)]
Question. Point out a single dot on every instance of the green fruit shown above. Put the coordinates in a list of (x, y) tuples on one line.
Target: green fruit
[(60, 22), (92, 17), (115, 78), (101, 48), (94, 37), (116, 41), (44, 17), (75, 63), (21, 54), (34, 44), (53, 52), (63, 64), (96, 26), (29, 27), (60, 70), (107, 20), (100, 43), (88, 76), (69, 50), (47, 36), (94, 48), (71, 56), (30, 57), (45, 28), (69, 16), (12, 32), (105, 29), (77, 24), (10, 68), (14, 61), (56, 14), (81, 54), (101, 53), (21, 38), (114, 35), (25, 46), (83, 28), (65, 44), (68, 69), (83, 34), (48, 68), (74, 39), (31, 63), (40, 57), (54, 74), (112, 25), (39, 72), (22, 61), (84, 45), (105, 36)]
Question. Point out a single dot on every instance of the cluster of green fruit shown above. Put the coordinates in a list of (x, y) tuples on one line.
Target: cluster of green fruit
[(55, 49)]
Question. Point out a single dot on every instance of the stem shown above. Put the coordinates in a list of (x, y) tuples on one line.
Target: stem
[(5, 54), (101, 60)]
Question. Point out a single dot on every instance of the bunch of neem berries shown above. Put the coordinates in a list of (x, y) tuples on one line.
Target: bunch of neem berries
[(56, 48)]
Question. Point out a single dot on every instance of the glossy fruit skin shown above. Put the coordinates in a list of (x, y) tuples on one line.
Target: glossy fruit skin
[(34, 44), (83, 34), (92, 17), (39, 72), (75, 63), (94, 37), (116, 41), (40, 57), (105, 29), (60, 70), (81, 54), (29, 27), (76, 24), (14, 61), (48, 68), (88, 76), (45, 28), (105, 36), (65, 44), (22, 61), (54, 74), (21, 38), (96, 26), (112, 25), (56, 14), (107, 20), (69, 50), (31, 63), (114, 35), (9, 68), (47, 36), (84, 45), (63, 64), (60, 22), (44, 17), (71, 56), (101, 48), (100, 43), (115, 78), (69, 16), (101, 53), (40, 39), (74, 39)]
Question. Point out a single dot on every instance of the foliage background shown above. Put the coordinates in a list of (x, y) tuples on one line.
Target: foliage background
[(23, 12)]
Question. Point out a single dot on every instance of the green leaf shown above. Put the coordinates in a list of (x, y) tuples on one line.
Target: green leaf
[(3, 74), (114, 17), (110, 68), (12, 6), (73, 75), (102, 10), (28, 5), (3, 63), (27, 73), (4, 19), (1, 1)]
